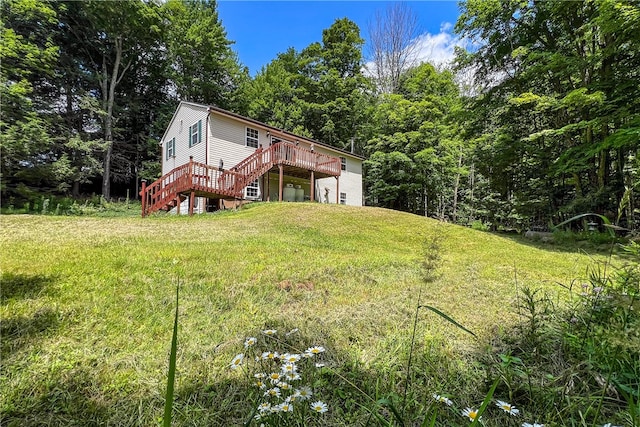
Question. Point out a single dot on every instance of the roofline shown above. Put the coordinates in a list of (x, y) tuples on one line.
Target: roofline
[(271, 128)]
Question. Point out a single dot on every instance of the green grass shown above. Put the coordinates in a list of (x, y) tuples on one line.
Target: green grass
[(87, 308)]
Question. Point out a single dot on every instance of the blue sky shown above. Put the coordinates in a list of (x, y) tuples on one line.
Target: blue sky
[(262, 29)]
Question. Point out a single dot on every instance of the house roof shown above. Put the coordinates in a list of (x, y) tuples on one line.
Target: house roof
[(218, 110)]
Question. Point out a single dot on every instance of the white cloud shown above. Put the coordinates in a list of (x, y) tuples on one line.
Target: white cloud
[(438, 49)]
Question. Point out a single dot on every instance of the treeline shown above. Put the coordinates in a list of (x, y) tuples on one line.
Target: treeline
[(548, 127)]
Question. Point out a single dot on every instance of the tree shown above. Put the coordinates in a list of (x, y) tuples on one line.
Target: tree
[(392, 45), (560, 78), (203, 67)]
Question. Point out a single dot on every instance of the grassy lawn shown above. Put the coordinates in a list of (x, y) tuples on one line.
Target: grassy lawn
[(87, 308)]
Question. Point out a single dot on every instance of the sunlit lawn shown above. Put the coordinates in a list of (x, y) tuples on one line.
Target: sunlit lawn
[(87, 303)]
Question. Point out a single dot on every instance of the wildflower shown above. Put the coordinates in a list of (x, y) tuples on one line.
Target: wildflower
[(260, 384), (597, 290), (319, 407), (289, 367), (249, 342), (319, 365), (315, 350), (259, 375), (609, 425), (532, 425), (442, 399), (272, 392), (283, 385), (264, 407), (286, 407), (471, 413), (270, 355), (291, 358), (275, 377), (292, 376), (507, 407), (237, 361), (270, 332), (304, 393)]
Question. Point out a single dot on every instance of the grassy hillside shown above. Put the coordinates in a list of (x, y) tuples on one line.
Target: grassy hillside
[(87, 307)]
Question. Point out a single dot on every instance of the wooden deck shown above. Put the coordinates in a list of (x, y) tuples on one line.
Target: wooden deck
[(198, 179)]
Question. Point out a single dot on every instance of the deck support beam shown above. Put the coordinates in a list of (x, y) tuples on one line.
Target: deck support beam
[(312, 187), (192, 199), (337, 190), (280, 182)]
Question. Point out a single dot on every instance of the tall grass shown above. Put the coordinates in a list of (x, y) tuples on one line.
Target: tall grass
[(88, 307)]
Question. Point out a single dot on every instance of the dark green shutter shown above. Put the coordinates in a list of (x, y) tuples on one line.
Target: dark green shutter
[(199, 131)]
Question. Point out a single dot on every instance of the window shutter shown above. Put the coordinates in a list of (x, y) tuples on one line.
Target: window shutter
[(189, 135), (166, 149), (199, 131), (173, 146)]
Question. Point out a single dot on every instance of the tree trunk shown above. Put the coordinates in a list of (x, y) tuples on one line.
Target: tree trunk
[(456, 186), (109, 101)]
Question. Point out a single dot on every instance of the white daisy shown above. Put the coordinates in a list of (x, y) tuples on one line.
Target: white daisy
[(270, 355), (270, 332), (249, 342), (319, 407), (292, 376), (272, 392), (289, 368), (286, 407), (274, 377), (442, 399), (532, 425), (471, 413), (264, 407), (507, 407), (315, 350), (237, 361), (290, 358), (304, 393)]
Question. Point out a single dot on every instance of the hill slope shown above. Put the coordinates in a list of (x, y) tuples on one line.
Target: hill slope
[(87, 303)]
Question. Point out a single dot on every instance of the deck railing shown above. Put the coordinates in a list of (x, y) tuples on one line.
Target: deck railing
[(202, 178)]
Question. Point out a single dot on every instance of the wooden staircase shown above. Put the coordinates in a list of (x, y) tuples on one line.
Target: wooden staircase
[(199, 179)]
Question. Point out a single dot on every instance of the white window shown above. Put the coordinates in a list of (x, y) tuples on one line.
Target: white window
[(195, 133), (252, 137), (170, 148), (343, 198), (343, 163), (252, 190)]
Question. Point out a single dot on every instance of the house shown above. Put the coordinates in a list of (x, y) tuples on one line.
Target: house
[(211, 156)]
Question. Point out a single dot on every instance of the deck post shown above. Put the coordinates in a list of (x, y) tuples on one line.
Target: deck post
[(312, 187), (280, 183), (143, 195), (192, 198), (337, 190), (177, 204)]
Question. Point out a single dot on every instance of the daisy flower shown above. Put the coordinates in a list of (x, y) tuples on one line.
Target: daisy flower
[(290, 358), (532, 425), (249, 342), (319, 407), (283, 385), (264, 407), (289, 368), (304, 393), (471, 413), (273, 392), (507, 407), (319, 365), (270, 355), (292, 376), (237, 361), (286, 407), (275, 377), (270, 332), (259, 375), (260, 384), (315, 350), (442, 399)]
